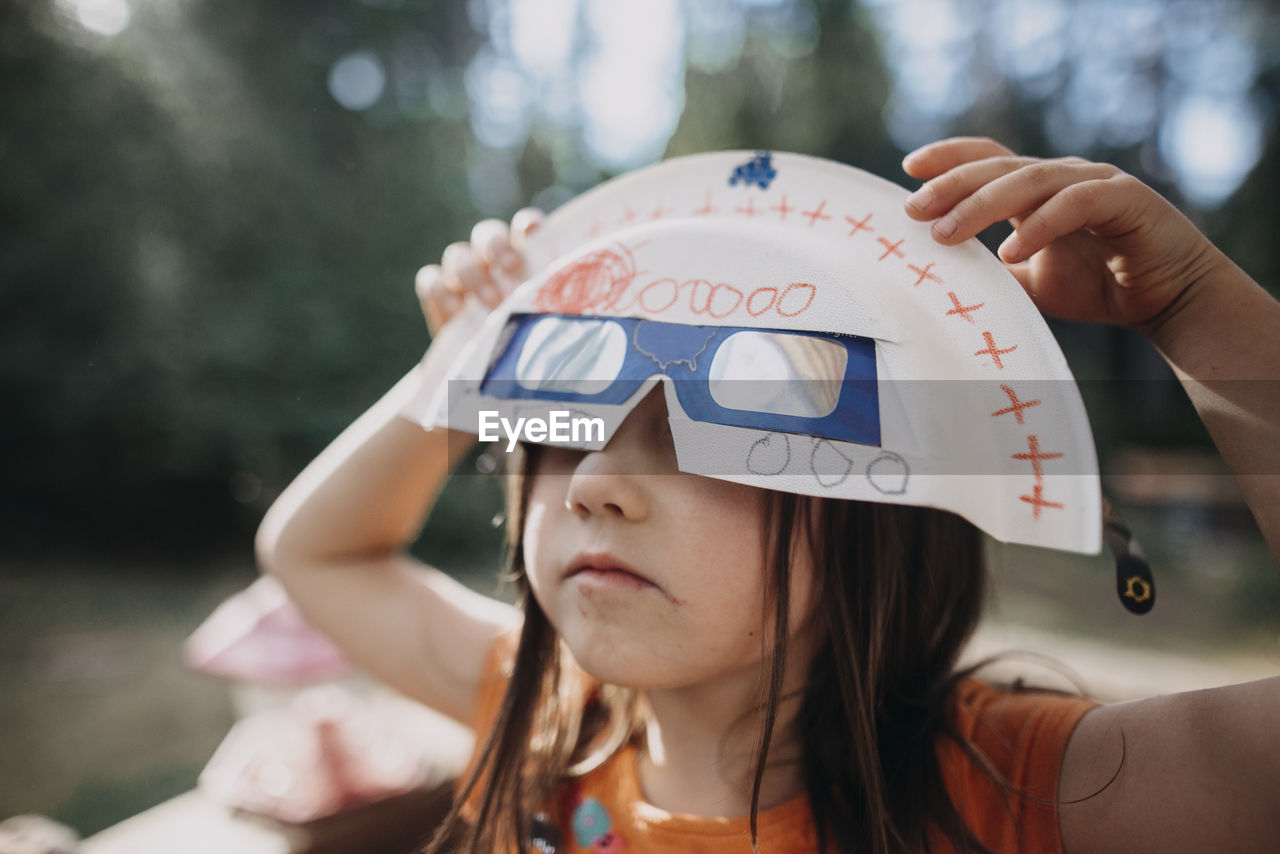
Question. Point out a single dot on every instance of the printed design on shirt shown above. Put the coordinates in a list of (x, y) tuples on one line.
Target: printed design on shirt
[(593, 828), (545, 836)]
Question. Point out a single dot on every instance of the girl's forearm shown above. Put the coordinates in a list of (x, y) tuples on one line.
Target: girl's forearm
[(1223, 342), (335, 539), (367, 494)]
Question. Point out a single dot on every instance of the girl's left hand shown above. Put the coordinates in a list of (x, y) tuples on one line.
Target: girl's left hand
[(1090, 242)]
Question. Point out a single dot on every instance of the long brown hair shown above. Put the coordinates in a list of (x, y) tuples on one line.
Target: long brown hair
[(899, 591)]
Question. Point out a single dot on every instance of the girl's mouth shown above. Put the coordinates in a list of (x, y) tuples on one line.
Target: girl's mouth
[(611, 578), (603, 572)]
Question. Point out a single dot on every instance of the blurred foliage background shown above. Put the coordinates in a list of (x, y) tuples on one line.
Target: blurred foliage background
[(213, 213)]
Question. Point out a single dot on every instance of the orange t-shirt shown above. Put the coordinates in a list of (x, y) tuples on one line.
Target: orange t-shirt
[(1023, 734)]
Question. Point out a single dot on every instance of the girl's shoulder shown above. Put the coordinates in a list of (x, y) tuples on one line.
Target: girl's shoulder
[(977, 704), (1001, 760)]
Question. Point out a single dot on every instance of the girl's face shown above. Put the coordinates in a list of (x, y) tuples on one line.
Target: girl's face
[(653, 577)]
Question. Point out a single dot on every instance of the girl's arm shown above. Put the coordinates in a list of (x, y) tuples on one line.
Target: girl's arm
[(1093, 243), (1194, 771), (336, 537), (1197, 771)]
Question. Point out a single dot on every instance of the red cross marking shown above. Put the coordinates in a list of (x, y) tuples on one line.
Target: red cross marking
[(817, 213), (962, 310), (1034, 456), (890, 248), (994, 352), (706, 208), (1037, 501), (1018, 405), (783, 209), (750, 209), (659, 212), (859, 224), (595, 229), (923, 274), (627, 213)]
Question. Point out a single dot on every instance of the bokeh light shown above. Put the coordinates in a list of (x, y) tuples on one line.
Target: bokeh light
[(103, 17), (357, 80)]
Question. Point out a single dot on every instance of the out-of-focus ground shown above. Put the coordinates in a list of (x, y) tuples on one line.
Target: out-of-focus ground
[(100, 720)]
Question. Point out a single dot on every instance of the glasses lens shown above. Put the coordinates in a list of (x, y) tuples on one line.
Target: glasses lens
[(797, 375), (572, 355)]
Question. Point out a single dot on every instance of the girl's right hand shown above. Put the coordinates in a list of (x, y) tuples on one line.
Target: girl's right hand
[(490, 266), (1090, 243)]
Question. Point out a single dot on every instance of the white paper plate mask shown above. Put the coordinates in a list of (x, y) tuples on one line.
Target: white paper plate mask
[(810, 338)]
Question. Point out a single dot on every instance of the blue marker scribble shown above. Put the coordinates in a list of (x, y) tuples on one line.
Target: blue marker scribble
[(758, 170)]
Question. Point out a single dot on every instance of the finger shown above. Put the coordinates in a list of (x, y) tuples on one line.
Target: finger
[(461, 261), (440, 300), (932, 160), (938, 195), (1011, 196), (523, 225), (492, 243), (1063, 303), (1088, 204)]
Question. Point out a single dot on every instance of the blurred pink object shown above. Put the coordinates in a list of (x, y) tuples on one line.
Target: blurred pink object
[(257, 635), (329, 751)]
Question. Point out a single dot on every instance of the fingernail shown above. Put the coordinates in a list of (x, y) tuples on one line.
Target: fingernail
[(946, 226), (920, 199), (1010, 250)]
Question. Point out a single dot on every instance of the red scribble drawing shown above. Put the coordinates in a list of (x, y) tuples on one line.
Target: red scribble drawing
[(628, 215), (1037, 501), (706, 209), (994, 352), (596, 280), (1018, 405), (659, 212), (962, 310), (890, 248), (1035, 456), (817, 213), (783, 209), (804, 288), (923, 273), (750, 210), (859, 224)]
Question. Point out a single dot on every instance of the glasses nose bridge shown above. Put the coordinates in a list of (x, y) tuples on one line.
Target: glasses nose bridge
[(632, 448)]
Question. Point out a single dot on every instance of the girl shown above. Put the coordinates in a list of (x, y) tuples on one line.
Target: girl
[(685, 687)]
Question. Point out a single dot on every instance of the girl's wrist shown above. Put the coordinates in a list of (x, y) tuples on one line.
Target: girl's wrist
[(1201, 330)]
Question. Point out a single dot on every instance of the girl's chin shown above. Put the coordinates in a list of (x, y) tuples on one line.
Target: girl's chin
[(648, 663), (625, 662)]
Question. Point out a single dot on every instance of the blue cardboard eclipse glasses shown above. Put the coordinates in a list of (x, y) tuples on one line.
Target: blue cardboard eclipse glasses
[(810, 383)]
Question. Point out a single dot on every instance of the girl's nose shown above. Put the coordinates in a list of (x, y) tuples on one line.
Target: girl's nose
[(616, 482), (599, 487)]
